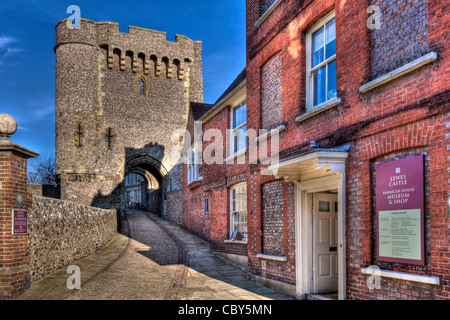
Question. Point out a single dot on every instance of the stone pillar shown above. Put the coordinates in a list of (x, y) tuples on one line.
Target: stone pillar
[(14, 271)]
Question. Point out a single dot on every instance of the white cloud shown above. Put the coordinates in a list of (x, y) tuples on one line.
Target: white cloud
[(6, 49), (43, 112), (5, 41), (11, 52)]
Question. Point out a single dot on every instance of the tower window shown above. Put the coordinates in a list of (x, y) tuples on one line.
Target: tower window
[(141, 88)]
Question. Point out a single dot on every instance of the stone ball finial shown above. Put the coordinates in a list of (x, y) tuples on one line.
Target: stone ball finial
[(8, 126)]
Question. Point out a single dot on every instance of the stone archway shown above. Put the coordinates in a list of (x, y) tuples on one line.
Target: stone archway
[(155, 186)]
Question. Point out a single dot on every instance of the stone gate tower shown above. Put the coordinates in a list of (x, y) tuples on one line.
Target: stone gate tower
[(119, 97)]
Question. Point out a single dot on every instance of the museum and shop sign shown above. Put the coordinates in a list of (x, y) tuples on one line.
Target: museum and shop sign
[(400, 210)]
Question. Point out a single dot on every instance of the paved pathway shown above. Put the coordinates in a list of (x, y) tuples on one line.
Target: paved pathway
[(152, 259)]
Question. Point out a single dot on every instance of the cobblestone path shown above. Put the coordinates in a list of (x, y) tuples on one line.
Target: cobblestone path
[(153, 260)]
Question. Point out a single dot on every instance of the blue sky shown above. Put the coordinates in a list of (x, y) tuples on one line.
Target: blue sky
[(27, 59)]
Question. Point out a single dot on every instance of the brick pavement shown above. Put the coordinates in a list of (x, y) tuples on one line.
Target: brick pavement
[(153, 259)]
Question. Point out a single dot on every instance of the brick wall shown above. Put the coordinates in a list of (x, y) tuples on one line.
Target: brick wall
[(271, 89), (14, 272), (403, 36), (406, 115), (424, 137), (272, 211), (218, 177), (279, 201)]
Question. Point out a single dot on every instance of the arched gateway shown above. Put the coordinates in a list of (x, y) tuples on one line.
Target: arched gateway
[(119, 98)]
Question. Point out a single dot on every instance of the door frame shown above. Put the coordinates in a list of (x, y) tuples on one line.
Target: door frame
[(304, 231)]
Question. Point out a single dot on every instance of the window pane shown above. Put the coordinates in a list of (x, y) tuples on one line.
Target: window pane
[(318, 47), (332, 80), (242, 138), (243, 111), (319, 86), (235, 117), (200, 170), (239, 116), (330, 39), (141, 88), (324, 206)]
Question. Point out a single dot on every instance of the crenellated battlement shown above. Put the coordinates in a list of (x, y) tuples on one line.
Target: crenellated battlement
[(145, 62), (146, 50)]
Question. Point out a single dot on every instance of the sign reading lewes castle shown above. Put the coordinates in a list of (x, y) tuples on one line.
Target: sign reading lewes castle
[(400, 210), (19, 222)]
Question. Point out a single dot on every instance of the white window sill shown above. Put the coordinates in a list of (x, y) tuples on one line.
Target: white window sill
[(238, 154), (268, 12), (402, 276), (318, 109), (270, 133), (407, 68), (191, 182), (236, 241), (271, 257)]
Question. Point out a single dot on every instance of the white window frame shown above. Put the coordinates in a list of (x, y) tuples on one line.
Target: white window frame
[(194, 165), (310, 71), (235, 131), (238, 210)]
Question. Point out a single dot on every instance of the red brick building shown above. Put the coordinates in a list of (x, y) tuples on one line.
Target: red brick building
[(352, 89), (210, 183)]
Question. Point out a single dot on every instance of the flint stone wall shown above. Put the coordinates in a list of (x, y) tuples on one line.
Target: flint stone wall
[(62, 232)]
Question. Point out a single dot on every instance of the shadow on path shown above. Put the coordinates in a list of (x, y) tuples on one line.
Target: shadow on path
[(153, 259)]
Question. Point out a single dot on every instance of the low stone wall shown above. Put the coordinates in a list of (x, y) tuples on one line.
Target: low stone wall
[(44, 190), (62, 232)]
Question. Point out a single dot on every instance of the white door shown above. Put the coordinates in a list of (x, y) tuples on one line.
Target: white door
[(325, 235)]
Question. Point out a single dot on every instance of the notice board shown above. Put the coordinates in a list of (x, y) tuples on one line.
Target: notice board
[(400, 202)]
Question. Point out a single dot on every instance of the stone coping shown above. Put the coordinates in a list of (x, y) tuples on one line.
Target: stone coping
[(407, 68), (271, 257), (402, 275), (8, 145), (318, 109)]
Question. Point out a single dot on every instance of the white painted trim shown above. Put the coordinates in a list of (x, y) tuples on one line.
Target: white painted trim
[(309, 79), (266, 135), (407, 68), (268, 12), (236, 241), (402, 276), (234, 97), (319, 108), (303, 229), (271, 257), (235, 186)]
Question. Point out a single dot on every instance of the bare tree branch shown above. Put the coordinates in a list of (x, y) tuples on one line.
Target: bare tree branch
[(44, 172)]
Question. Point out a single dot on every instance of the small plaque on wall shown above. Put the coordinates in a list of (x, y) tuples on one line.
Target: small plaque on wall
[(19, 222), (400, 211)]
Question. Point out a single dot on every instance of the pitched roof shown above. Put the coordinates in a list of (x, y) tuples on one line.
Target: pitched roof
[(241, 77), (199, 109)]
